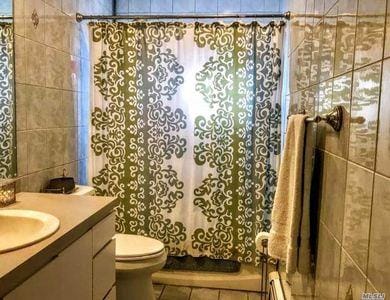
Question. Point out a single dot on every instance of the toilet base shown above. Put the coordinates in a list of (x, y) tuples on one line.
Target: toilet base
[(130, 287), (134, 278)]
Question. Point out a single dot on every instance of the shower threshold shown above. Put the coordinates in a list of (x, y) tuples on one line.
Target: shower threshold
[(247, 278)]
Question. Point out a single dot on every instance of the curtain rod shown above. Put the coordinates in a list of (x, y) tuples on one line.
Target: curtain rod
[(80, 17)]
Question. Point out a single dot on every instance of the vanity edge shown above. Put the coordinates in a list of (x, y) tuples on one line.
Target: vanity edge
[(17, 266)]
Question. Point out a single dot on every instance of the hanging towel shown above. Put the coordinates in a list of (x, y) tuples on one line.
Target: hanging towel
[(290, 232)]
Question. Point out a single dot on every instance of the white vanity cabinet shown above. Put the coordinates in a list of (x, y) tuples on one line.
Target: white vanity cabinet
[(84, 270)]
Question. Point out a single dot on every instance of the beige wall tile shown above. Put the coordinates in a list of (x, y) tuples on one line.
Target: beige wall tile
[(294, 74), (21, 184), (323, 106), (55, 3), (315, 67), (37, 110), (38, 181), (22, 152), (387, 40), (21, 106), (370, 30), (325, 97), (333, 192), (358, 50), (36, 151), (70, 144), (333, 141), (352, 282), (71, 72), (35, 67), (379, 254), (358, 196), (327, 267), (328, 44), (309, 18), (345, 36), (34, 14), (19, 17), (55, 28), (55, 146), (70, 7), (383, 151), (20, 59), (55, 67), (319, 6), (328, 5), (365, 100), (74, 37), (48, 67), (67, 23), (297, 23), (307, 101), (55, 108), (69, 108)]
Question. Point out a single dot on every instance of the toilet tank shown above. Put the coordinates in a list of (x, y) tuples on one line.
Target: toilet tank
[(84, 190)]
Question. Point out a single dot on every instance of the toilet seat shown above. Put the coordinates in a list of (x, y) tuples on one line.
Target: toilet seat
[(131, 247)]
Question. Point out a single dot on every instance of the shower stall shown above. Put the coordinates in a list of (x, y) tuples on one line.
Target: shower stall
[(185, 130)]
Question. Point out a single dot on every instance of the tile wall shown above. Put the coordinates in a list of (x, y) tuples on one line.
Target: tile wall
[(339, 54), (197, 6), (52, 78), (51, 55)]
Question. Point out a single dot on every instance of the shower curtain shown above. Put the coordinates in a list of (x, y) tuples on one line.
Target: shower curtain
[(185, 131), (7, 106)]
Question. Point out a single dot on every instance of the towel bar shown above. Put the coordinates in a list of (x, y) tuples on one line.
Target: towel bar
[(334, 118)]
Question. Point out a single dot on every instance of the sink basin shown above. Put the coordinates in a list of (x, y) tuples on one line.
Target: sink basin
[(21, 228)]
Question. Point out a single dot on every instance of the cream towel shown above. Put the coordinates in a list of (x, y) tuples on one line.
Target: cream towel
[(290, 232)]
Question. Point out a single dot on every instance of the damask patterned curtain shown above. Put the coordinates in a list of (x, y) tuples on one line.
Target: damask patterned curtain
[(7, 106), (185, 131)]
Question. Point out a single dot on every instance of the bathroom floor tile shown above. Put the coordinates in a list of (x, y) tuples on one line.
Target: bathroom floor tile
[(176, 293), (158, 289), (232, 295), (204, 294), (168, 292)]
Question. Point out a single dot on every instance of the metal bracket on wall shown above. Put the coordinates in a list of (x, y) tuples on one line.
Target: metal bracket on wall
[(334, 118)]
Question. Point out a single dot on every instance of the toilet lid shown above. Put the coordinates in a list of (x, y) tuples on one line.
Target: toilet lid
[(130, 246)]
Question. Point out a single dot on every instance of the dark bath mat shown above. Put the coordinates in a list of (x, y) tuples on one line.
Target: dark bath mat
[(205, 264)]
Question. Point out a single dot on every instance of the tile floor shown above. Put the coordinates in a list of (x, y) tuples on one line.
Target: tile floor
[(170, 292)]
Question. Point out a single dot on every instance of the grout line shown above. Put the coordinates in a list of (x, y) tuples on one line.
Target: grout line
[(354, 263), (189, 296), (162, 291), (335, 77)]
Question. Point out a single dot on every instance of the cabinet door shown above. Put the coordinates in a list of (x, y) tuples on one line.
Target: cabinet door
[(68, 276), (43, 285), (75, 264), (103, 232), (104, 271)]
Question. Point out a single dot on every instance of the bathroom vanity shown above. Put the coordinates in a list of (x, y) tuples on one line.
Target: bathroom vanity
[(76, 262)]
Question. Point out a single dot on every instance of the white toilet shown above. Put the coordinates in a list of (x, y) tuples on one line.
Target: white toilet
[(137, 258)]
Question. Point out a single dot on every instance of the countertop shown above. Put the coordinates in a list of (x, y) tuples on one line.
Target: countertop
[(77, 214)]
